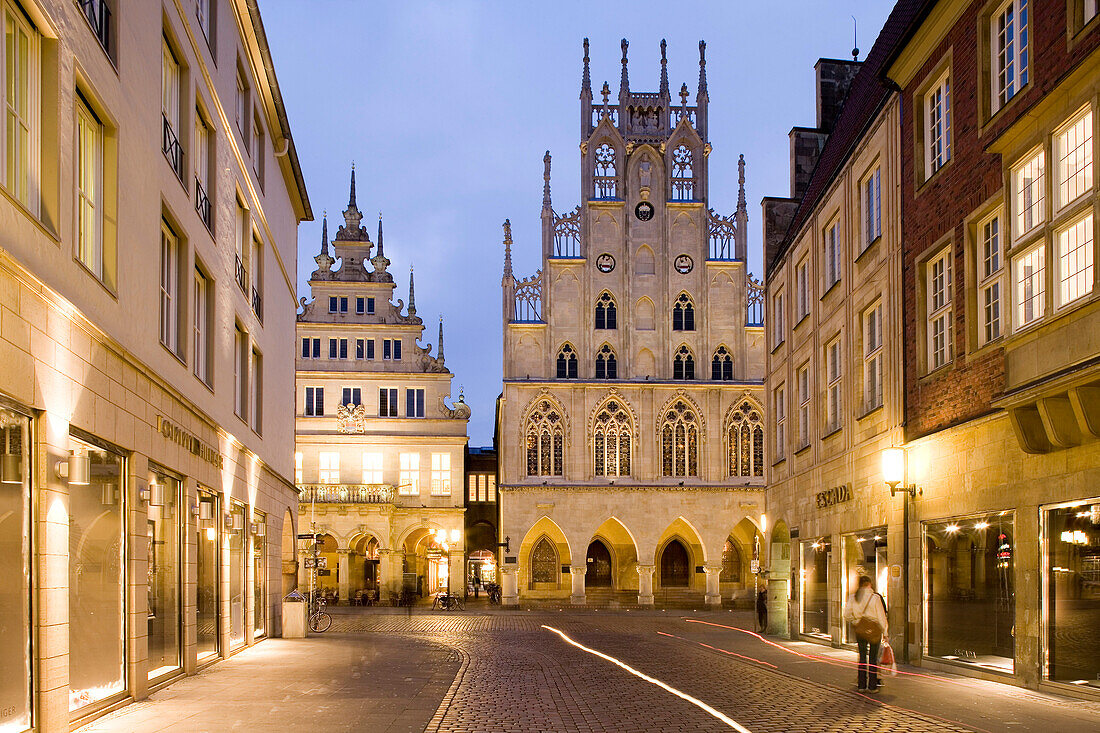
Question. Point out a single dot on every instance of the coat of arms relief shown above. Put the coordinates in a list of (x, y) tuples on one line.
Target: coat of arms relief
[(351, 418)]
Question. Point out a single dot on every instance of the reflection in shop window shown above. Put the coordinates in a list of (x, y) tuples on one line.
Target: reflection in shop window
[(207, 577), (162, 523), (1072, 593), (865, 554), (15, 622), (236, 529), (259, 575), (970, 594), (96, 577), (816, 557)]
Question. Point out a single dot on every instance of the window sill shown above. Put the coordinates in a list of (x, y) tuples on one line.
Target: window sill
[(801, 450), (776, 347), (801, 318), (868, 411), (99, 281), (938, 371), (779, 461), (830, 288), (177, 357), (831, 431), (868, 248), (924, 185), (204, 383)]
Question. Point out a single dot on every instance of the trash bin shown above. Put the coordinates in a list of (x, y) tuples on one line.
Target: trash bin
[(294, 615)]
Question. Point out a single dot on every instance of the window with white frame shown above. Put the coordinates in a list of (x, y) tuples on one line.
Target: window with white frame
[(257, 269), (1073, 159), (939, 308), (990, 258), (387, 402), (328, 467), (871, 196), (240, 109), (20, 79), (204, 140), (937, 116), (311, 348), (351, 396), (257, 401), (169, 287), (1029, 189), (391, 349), (803, 406), (832, 254), (315, 401), (201, 328), (441, 474), (298, 469), (89, 187), (1029, 286), (257, 148), (833, 375), (170, 108), (414, 403), (872, 357), (802, 284), (409, 481), (1009, 31), (1075, 260), (779, 402), (204, 13), (241, 245), (372, 468), (778, 320)]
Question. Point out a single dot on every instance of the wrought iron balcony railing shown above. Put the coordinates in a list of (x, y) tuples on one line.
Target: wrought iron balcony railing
[(99, 17), (242, 276), (346, 493), (202, 205), (173, 151), (258, 304)]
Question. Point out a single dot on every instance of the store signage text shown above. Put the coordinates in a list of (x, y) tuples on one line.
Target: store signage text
[(176, 434), (834, 496)]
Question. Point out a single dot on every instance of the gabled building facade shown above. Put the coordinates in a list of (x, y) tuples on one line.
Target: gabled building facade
[(379, 453), (631, 426)]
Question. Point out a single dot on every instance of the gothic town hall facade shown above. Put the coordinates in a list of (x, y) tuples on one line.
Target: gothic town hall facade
[(630, 426)]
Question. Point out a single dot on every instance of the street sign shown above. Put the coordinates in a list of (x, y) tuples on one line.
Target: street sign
[(324, 572), (322, 563), (306, 536), (755, 566), (309, 563)]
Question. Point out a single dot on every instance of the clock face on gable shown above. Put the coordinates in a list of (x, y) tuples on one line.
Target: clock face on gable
[(644, 211), (683, 264), (605, 263)]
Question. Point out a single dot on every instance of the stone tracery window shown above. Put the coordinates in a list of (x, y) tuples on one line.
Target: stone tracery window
[(611, 437), (683, 174), (683, 364), (731, 563), (683, 314), (544, 562), (745, 441), (721, 366), (544, 437), (567, 362), (606, 364), (606, 312), (604, 178), (680, 440)]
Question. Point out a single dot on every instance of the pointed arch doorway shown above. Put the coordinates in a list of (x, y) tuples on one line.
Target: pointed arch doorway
[(598, 566), (674, 565)]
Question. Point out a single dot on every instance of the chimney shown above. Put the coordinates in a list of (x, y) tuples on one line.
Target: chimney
[(806, 145), (834, 78), (778, 213)]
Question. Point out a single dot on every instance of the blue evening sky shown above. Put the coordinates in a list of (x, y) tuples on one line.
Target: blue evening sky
[(447, 107)]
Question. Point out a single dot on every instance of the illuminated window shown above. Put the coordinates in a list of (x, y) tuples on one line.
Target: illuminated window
[(872, 357), (745, 442), (1073, 158), (372, 468), (611, 437), (937, 111), (1029, 185), (939, 303), (298, 469), (1029, 278), (833, 375), (441, 474), (990, 258), (409, 480), (328, 467), (544, 436), (680, 441), (1075, 261)]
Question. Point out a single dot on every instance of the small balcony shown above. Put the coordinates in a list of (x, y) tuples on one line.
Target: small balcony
[(202, 205), (241, 275), (173, 151), (99, 18), (258, 304), (345, 493)]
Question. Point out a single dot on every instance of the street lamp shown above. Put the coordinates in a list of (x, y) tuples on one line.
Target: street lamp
[(895, 475)]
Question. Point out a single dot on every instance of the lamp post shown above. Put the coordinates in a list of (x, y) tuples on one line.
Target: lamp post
[(895, 474)]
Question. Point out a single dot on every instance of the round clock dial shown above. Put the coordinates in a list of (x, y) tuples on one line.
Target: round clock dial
[(683, 264), (605, 263), (644, 211)]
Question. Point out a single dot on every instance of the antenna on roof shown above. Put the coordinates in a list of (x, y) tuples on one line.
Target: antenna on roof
[(855, 39)]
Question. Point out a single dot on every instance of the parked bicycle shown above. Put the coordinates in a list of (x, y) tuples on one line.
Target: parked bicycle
[(445, 601), (319, 621), (493, 591)]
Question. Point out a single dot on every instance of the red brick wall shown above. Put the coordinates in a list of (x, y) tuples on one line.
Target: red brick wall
[(965, 389)]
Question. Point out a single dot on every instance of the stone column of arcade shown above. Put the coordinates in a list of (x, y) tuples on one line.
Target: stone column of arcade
[(344, 571), (509, 582), (645, 584), (577, 596), (386, 588), (714, 595)]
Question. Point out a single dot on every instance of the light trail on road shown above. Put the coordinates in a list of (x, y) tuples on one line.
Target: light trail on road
[(653, 681), (717, 649)]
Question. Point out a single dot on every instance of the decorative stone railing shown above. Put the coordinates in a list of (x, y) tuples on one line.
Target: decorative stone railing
[(346, 493)]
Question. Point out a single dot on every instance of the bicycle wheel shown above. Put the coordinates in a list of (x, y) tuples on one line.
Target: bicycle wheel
[(320, 622), (459, 604)]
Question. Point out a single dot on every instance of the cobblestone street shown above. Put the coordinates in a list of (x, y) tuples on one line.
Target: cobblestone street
[(511, 672)]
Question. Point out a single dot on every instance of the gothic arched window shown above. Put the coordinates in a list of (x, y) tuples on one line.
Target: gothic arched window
[(604, 180), (683, 175), (680, 440), (544, 436), (567, 362), (721, 366), (544, 562), (745, 441), (683, 314), (606, 366), (605, 312), (683, 364), (731, 563), (611, 440)]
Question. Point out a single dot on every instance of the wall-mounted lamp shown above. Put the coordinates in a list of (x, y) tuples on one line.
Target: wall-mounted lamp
[(206, 510), (234, 522), (894, 472), (109, 496), (456, 535), (259, 529), (76, 469), (156, 493), (195, 510), (11, 468)]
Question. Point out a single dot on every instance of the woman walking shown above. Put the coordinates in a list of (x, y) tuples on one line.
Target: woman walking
[(866, 610)]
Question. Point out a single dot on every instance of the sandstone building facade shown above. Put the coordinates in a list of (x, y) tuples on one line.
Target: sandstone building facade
[(631, 427), (379, 452)]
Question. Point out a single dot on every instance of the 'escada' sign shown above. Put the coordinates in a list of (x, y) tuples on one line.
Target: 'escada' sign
[(834, 496), (176, 434)]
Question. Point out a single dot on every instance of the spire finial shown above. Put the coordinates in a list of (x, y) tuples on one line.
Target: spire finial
[(324, 232), (586, 79), (546, 181), (606, 92), (351, 200), (352, 216), (412, 293), (741, 183), (440, 356), (702, 94), (624, 83), (664, 70), (381, 250), (324, 260), (507, 248), (684, 96)]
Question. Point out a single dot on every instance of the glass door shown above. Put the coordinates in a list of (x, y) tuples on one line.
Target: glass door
[(208, 576), (15, 572), (816, 556), (259, 575), (165, 579)]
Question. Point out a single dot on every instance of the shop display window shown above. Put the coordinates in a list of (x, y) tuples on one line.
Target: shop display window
[(235, 528), (15, 572), (815, 559), (163, 524), (97, 581), (970, 599), (864, 554), (208, 587), (1072, 593), (259, 576)]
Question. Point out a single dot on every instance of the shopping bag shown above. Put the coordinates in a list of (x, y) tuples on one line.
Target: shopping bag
[(887, 665)]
